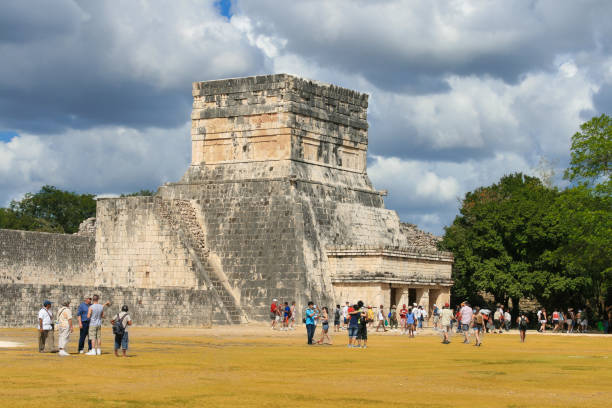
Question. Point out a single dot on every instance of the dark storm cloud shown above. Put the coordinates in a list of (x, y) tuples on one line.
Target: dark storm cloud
[(409, 46), (111, 63), (603, 100)]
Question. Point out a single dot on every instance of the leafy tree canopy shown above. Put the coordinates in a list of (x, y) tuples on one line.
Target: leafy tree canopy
[(591, 158), (49, 210)]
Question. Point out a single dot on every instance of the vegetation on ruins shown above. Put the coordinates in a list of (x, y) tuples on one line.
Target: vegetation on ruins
[(519, 238)]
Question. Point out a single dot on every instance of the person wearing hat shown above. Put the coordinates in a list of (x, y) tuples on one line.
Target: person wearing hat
[(446, 317), (45, 326), (122, 340), (64, 319)]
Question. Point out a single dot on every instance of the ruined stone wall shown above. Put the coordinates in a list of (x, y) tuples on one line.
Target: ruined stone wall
[(136, 247), (19, 304), (43, 258)]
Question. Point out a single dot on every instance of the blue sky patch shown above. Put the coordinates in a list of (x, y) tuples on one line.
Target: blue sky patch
[(7, 135), (224, 7)]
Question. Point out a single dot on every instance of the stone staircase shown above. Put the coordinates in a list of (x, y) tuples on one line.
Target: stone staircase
[(181, 216)]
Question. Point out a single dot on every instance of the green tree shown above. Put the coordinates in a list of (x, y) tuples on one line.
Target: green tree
[(502, 241), (591, 154), (50, 210), (585, 221)]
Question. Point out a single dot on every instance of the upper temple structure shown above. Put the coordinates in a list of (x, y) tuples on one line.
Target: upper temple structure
[(276, 203)]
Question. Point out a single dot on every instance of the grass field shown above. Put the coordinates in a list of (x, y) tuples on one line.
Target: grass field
[(253, 366)]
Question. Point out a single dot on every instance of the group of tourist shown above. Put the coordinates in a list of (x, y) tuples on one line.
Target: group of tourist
[(559, 321), (282, 315), (476, 321), (89, 316)]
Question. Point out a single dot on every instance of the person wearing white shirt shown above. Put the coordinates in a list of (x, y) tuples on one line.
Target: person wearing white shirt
[(345, 315), (45, 325)]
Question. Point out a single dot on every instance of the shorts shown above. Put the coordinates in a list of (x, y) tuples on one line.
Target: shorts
[(555, 322), (352, 331), (121, 341), (277, 318), (362, 333), (95, 332), (436, 319), (497, 324), (325, 326), (522, 327), (478, 327), (446, 328), (272, 316), (345, 320), (465, 327), (336, 322)]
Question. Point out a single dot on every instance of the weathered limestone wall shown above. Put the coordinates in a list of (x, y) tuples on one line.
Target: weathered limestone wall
[(19, 304), (279, 174), (42, 258), (135, 246)]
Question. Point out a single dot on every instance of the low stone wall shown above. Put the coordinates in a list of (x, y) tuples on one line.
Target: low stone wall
[(43, 258), (19, 304)]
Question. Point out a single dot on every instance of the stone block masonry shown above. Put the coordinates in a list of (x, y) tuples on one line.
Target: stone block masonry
[(19, 304), (42, 258), (276, 203)]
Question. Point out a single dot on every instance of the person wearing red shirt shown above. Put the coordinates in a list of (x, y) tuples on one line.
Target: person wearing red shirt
[(273, 310), (403, 313)]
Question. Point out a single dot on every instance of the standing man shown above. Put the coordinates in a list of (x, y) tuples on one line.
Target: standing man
[(64, 317), (345, 315), (122, 340), (436, 316), (381, 319), (393, 318), (507, 320), (311, 315), (466, 319), (424, 317), (45, 325), (95, 316), (292, 319), (446, 317), (84, 324)]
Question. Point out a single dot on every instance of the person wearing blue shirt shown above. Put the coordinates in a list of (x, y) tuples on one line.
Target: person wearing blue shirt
[(311, 315), (410, 322), (84, 324)]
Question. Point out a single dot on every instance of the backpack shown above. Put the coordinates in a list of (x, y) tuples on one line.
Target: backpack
[(118, 329)]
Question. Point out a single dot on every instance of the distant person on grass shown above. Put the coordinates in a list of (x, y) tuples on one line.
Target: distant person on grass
[(311, 315), (403, 322), (45, 326), (337, 315), (446, 319), (411, 320), (353, 324), (292, 318), (122, 340), (64, 317), (84, 324), (95, 315), (479, 326), (362, 332), (345, 315), (393, 318), (286, 316), (466, 318), (522, 322), (324, 327), (273, 308), (381, 319)]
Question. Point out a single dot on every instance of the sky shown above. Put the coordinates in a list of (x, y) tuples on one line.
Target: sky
[(95, 97)]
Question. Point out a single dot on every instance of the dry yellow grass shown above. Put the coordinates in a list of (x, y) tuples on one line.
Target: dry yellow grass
[(252, 367)]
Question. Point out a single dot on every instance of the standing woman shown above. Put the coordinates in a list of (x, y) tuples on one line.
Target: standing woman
[(325, 327), (478, 324), (543, 320), (522, 322)]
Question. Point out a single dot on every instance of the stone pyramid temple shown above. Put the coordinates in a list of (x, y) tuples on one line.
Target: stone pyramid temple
[(276, 203)]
